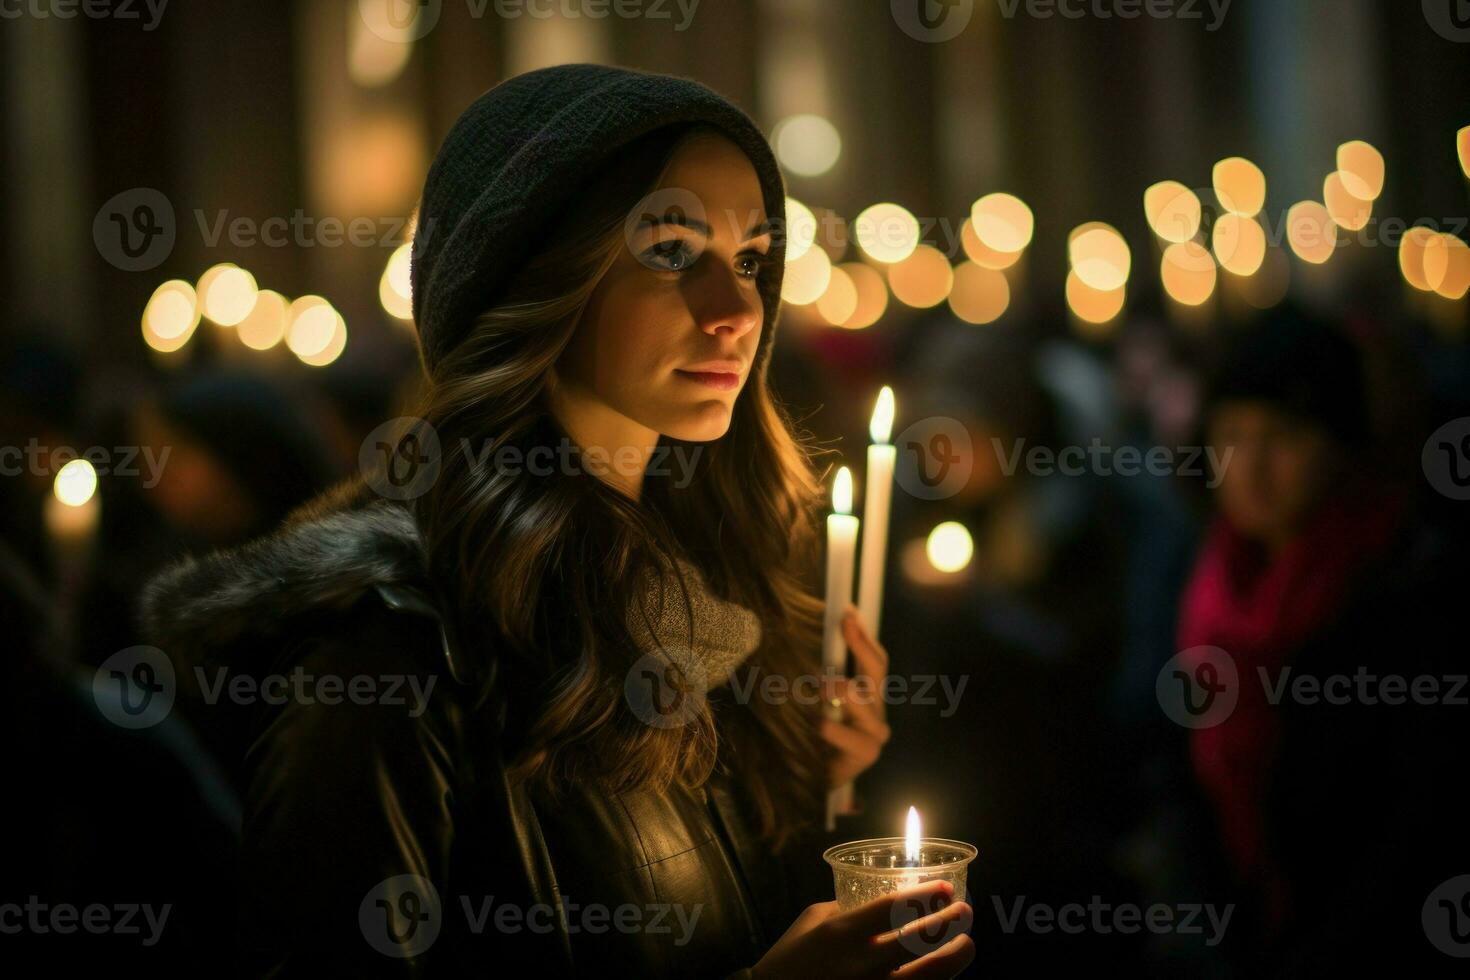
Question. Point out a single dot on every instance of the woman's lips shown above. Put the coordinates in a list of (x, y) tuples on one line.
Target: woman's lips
[(722, 380)]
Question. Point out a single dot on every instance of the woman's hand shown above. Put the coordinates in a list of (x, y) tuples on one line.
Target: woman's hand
[(886, 937), (859, 737)]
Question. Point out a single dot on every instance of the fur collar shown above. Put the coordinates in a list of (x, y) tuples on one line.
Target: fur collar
[(326, 555)]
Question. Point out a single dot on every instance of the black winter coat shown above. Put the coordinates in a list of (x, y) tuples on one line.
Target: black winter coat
[(381, 836)]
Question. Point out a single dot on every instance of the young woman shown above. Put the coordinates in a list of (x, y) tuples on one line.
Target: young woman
[(594, 526)]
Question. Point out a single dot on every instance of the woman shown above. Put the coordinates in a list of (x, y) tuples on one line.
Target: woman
[(597, 515), (1314, 592)]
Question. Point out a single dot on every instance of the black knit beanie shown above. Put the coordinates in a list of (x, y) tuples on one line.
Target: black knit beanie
[(1302, 365), (518, 154)]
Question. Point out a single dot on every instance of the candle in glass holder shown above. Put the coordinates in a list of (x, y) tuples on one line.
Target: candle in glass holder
[(863, 870)]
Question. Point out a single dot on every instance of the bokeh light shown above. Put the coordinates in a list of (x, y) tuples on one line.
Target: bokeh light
[(1099, 256), (887, 232), (1003, 222), (1311, 232), (808, 145), (1240, 186), (980, 295), (1173, 211), (923, 279), (1187, 271)]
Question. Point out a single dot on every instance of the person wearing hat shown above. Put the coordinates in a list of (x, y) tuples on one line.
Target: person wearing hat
[(1328, 808), (573, 563)]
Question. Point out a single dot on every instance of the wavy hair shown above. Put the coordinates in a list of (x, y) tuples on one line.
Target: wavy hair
[(541, 559)]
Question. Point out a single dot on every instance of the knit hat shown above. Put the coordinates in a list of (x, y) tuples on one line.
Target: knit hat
[(1301, 364), (517, 155)]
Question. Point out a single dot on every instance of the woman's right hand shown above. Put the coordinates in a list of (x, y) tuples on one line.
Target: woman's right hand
[(866, 942)]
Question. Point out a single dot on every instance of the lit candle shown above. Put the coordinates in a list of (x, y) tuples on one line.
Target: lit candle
[(877, 492), (842, 531), (865, 869), (71, 511)]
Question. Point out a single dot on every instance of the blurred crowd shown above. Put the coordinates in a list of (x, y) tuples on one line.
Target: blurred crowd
[(1289, 522)]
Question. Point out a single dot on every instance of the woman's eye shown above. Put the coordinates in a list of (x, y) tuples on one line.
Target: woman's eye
[(752, 263), (673, 255)]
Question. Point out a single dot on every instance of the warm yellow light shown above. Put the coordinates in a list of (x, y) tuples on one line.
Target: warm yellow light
[(839, 300), (1099, 256), (1347, 210), (171, 315), (1173, 211), (887, 232), (806, 278), (1447, 266), (923, 279), (75, 483), (1240, 244), (1188, 273), (872, 295), (980, 253), (980, 295), (842, 491), (949, 546), (1240, 186), (801, 229), (807, 144), (1002, 222), (336, 343), (1361, 167), (311, 325), (1095, 306), (1462, 145), (1268, 287), (912, 834), (1411, 256), (1311, 232), (880, 426), (265, 327), (227, 294)]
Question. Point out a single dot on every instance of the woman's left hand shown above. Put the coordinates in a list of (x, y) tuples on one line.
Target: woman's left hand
[(859, 737)]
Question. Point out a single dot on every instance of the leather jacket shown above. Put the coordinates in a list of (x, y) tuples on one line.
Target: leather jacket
[(381, 836)]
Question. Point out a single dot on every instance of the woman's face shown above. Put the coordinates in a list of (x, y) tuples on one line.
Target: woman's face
[(1278, 469), (668, 338)]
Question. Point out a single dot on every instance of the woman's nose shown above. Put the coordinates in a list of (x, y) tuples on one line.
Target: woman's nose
[(726, 306)]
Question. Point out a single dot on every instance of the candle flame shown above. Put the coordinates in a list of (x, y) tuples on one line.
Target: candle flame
[(881, 425), (842, 492), (911, 836)]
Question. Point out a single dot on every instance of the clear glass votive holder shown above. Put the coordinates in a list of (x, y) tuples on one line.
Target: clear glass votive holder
[(862, 870)]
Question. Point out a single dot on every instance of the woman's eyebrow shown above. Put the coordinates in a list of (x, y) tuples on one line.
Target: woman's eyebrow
[(759, 228)]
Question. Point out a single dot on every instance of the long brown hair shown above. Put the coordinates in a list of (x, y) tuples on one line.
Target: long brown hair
[(533, 565)]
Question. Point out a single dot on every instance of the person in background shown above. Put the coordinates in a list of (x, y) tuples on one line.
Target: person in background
[(1328, 811)]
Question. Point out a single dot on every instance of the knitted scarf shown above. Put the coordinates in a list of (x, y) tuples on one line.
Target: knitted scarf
[(721, 636)]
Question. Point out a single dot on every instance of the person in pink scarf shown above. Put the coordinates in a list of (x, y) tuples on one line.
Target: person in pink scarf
[(1306, 571)]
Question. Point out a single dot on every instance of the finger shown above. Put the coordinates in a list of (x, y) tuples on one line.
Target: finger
[(860, 746), (944, 962), (927, 934), (868, 653), (859, 699), (887, 912), (870, 660)]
